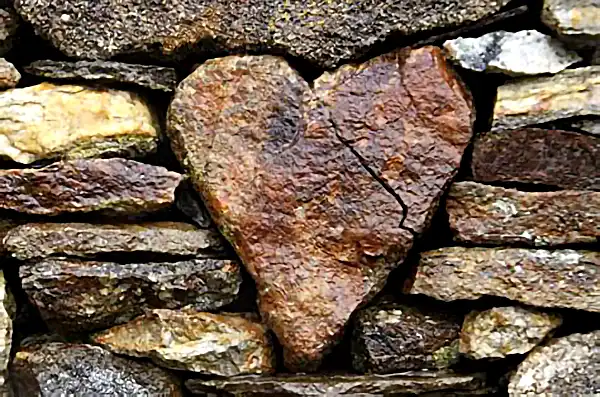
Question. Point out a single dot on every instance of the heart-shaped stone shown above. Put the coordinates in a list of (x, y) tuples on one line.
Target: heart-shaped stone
[(321, 190)]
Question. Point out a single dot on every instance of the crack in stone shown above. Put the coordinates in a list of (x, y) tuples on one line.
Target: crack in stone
[(374, 175)]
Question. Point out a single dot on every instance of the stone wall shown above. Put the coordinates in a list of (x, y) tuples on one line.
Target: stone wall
[(299, 198)]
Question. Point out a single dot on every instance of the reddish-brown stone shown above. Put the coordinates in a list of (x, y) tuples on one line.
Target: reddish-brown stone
[(550, 157), (111, 185), (320, 190)]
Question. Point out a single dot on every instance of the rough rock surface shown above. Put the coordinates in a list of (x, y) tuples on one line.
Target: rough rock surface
[(343, 385), (325, 32), (40, 240), (6, 225), (320, 190), (576, 20), (148, 76), (9, 75), (111, 185), (591, 126), (482, 214), (396, 338), (9, 24), (527, 52), (571, 93), (74, 296), (7, 310), (502, 331), (71, 121), (563, 159), (561, 278), (566, 366), (60, 369), (211, 344)]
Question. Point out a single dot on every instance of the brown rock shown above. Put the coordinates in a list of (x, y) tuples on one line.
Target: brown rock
[(571, 93), (482, 214), (561, 278), (74, 296), (396, 338), (61, 369), (9, 75), (223, 345), (320, 191), (40, 240), (111, 185), (556, 158)]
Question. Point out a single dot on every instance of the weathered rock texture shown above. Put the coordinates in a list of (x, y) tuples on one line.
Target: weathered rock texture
[(527, 52), (320, 191), (148, 76), (568, 366), (59, 369), (323, 32), (7, 310), (223, 345), (40, 240), (563, 159), (397, 338), (561, 278), (343, 385), (6, 225), (9, 25), (591, 126), (539, 100), (74, 296), (111, 185), (502, 331), (576, 20), (70, 121), (483, 214), (9, 75)]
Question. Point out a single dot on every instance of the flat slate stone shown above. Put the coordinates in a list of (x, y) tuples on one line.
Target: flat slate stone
[(563, 159), (568, 366), (561, 278), (76, 296), (50, 121), (323, 32), (41, 240), (60, 369), (527, 52), (147, 76), (574, 20), (488, 215), (332, 385), (210, 344), (9, 75), (571, 93), (320, 191), (502, 331), (114, 186), (396, 338)]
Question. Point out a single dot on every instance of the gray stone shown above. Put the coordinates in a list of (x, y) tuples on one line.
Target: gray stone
[(9, 75), (560, 278), (527, 52), (9, 25), (60, 369), (325, 32), (574, 20), (147, 76), (502, 331), (568, 366), (7, 312), (591, 126), (76, 296)]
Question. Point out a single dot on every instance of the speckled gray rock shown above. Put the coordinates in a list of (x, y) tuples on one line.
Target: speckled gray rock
[(483, 214), (502, 331), (9, 75), (396, 338), (74, 296), (325, 32), (148, 76), (568, 366), (591, 126), (328, 385), (210, 344), (537, 100), (9, 25), (527, 52), (574, 20), (561, 278), (7, 311), (60, 369), (40, 240)]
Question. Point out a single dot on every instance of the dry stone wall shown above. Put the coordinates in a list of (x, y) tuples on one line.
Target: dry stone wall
[(291, 198)]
